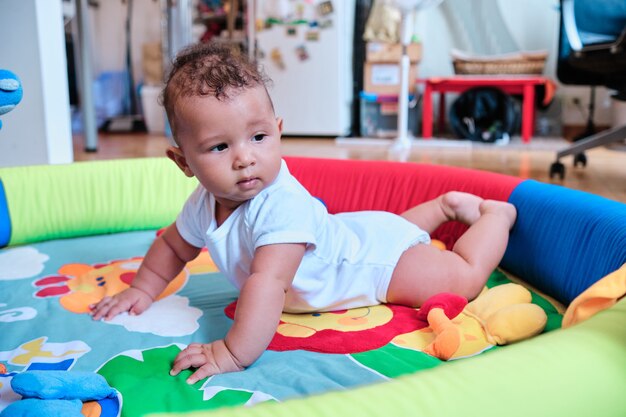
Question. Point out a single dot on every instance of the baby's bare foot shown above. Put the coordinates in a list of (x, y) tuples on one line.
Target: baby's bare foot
[(462, 207), (502, 208)]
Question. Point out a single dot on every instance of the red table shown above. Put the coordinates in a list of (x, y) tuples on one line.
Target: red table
[(511, 84)]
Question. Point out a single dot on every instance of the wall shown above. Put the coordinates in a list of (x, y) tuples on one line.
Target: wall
[(38, 130)]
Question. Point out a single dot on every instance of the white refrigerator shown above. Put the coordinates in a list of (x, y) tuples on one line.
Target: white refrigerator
[(305, 47)]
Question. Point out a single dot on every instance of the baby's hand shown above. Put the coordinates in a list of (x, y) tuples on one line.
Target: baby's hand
[(208, 359), (131, 299)]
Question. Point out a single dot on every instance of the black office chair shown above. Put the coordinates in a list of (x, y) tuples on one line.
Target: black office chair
[(592, 51)]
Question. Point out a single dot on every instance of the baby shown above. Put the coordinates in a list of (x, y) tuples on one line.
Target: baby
[(276, 242)]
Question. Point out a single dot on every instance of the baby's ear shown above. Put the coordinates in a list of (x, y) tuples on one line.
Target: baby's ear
[(279, 122), (177, 155)]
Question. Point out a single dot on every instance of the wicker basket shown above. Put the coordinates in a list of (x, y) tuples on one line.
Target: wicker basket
[(521, 63)]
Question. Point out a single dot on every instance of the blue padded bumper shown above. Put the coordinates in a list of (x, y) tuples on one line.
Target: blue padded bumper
[(564, 240), (5, 220)]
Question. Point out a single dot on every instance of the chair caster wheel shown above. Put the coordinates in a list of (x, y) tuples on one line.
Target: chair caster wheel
[(557, 168), (580, 158)]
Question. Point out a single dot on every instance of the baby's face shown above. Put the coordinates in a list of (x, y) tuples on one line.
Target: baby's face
[(231, 146)]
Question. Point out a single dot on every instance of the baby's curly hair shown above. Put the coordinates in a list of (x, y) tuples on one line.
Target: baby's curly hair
[(209, 69)]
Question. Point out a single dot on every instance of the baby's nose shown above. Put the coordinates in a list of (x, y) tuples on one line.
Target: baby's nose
[(244, 158)]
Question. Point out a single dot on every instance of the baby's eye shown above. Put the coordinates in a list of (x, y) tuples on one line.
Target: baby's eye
[(219, 148), (258, 138)]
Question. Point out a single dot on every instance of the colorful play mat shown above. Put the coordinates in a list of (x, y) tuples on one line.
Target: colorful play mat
[(76, 233)]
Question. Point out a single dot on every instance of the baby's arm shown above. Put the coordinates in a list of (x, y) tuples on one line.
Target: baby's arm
[(165, 259), (260, 305)]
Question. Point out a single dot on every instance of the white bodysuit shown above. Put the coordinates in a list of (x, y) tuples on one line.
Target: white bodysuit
[(349, 258)]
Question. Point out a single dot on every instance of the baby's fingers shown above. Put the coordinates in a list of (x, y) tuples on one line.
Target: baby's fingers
[(194, 357), (139, 307), (115, 310), (186, 360), (203, 372), (108, 308), (100, 309)]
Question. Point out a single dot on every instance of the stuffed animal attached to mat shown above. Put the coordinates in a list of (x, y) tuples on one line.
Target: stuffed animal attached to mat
[(504, 313), (10, 92)]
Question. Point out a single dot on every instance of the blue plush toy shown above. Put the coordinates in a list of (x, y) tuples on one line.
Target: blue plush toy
[(57, 393), (10, 92)]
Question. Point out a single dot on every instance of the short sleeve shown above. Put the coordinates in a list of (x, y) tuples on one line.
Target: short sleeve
[(284, 216), (194, 219)]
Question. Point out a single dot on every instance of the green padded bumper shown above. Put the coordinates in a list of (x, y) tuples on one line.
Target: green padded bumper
[(93, 198)]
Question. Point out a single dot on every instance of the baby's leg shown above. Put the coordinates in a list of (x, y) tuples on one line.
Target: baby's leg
[(424, 270), (453, 205)]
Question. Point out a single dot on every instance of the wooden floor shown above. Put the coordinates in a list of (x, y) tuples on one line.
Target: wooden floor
[(605, 173)]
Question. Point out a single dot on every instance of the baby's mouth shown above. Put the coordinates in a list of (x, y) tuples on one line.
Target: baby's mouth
[(248, 182)]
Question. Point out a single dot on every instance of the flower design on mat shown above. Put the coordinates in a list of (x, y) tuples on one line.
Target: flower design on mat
[(80, 285), (344, 331)]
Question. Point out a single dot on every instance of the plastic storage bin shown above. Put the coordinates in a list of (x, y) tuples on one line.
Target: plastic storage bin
[(379, 115), (111, 97)]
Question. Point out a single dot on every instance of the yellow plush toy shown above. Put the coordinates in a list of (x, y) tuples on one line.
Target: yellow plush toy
[(504, 313)]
